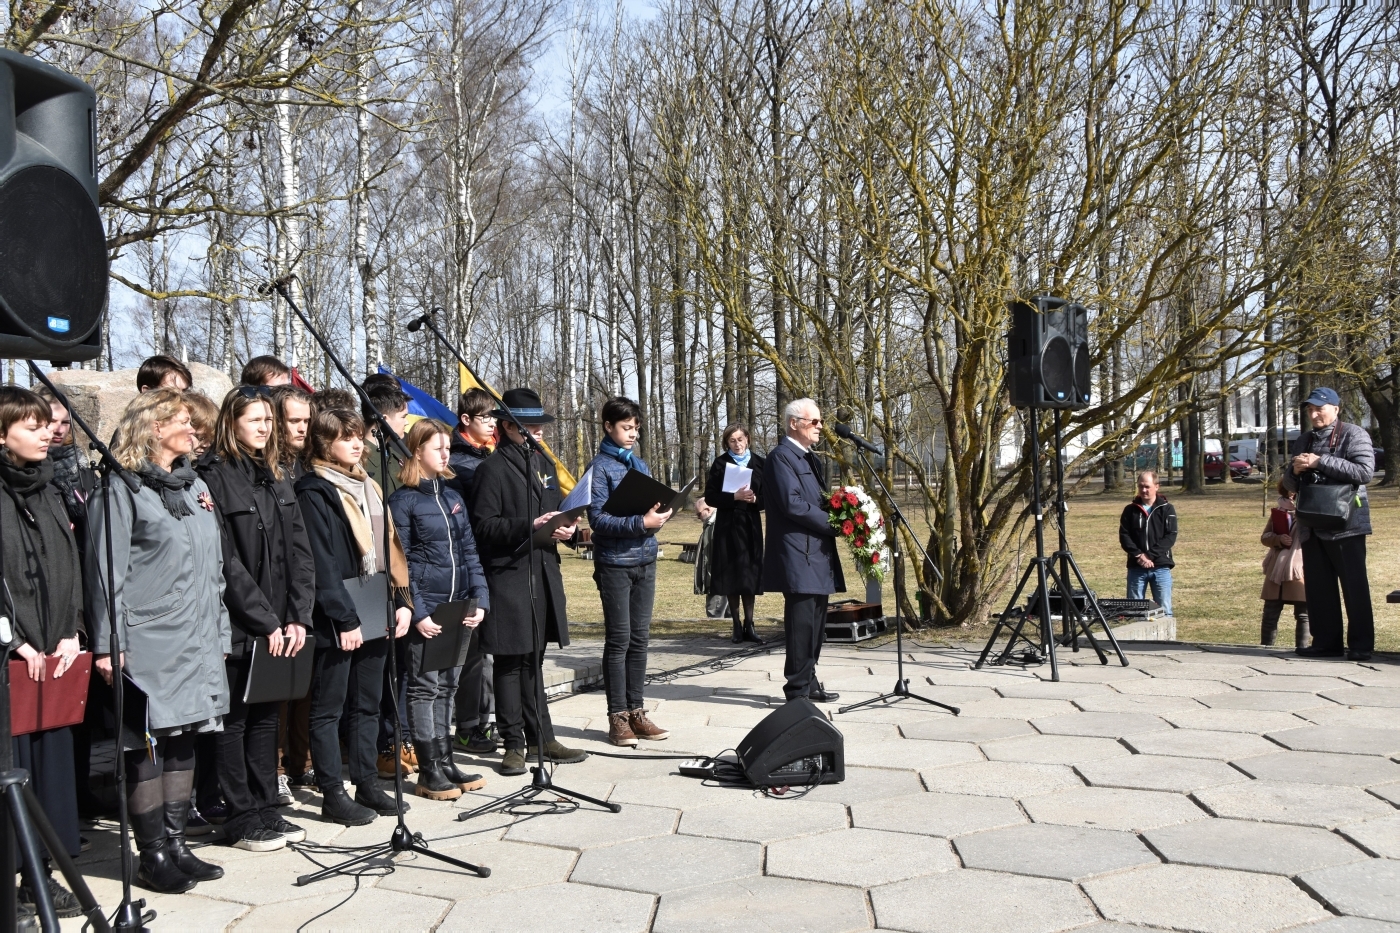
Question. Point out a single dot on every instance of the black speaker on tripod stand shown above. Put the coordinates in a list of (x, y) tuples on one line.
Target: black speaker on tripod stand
[(1047, 354), (53, 248)]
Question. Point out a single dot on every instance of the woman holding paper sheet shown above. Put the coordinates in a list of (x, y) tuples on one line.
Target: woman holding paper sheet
[(443, 567), (270, 587), (737, 561), (345, 523), (44, 583), (168, 571), (624, 567)]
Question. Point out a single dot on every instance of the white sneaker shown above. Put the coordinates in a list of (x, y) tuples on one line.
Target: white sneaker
[(284, 791)]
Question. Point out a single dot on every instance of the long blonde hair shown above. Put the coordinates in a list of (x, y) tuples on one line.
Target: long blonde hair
[(423, 430), (136, 436)]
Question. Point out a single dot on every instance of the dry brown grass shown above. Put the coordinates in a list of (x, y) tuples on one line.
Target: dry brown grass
[(1215, 584)]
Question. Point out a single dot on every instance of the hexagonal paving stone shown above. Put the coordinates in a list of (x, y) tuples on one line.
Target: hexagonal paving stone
[(1379, 837), (909, 754), (1205, 900), (1264, 700), (965, 730), (937, 814), (1125, 703), (410, 912), (1232, 720), (863, 784), (1365, 696), (1158, 772), (587, 827), (1200, 743), (1000, 778), (1322, 768), (1053, 749), (1295, 683), (1365, 717), (555, 908), (1322, 805), (860, 857), (1106, 725), (1389, 792), (971, 901), (1070, 853), (1344, 740), (1346, 925), (1093, 673), (1275, 848), (762, 905), (1112, 808), (1200, 671), (1050, 690), (1015, 709), (760, 819), (1362, 889), (1171, 687), (668, 863), (514, 867)]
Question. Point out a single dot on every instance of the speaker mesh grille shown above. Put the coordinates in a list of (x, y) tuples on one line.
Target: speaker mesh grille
[(1081, 374), (1057, 369), (53, 256)]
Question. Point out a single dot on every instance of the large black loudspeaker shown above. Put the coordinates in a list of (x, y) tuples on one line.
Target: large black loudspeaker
[(53, 249), (1048, 354), (791, 743)]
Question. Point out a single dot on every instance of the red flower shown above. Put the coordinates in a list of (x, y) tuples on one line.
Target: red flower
[(847, 528), (836, 500), (860, 542), (875, 558), (860, 519), (851, 498)]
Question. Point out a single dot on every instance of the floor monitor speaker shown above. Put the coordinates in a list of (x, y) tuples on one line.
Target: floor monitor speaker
[(790, 744)]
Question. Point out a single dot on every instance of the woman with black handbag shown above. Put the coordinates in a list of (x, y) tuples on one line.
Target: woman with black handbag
[(1330, 468)]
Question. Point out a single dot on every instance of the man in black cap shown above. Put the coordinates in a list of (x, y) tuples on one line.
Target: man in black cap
[(1335, 453), (515, 491)]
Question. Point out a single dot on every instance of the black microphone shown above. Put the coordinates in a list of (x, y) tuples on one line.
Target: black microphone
[(267, 288), (417, 324), (844, 430)]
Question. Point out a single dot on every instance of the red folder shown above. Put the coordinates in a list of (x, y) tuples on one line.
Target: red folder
[(1282, 521), (51, 704)]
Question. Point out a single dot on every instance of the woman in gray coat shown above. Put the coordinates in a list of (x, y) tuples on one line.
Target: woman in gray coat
[(169, 585)]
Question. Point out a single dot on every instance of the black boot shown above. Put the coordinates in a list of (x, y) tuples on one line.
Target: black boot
[(749, 634), (157, 870), (738, 630), (1268, 626), (369, 794), (432, 783), (462, 779), (177, 785), (337, 807), (1302, 637)]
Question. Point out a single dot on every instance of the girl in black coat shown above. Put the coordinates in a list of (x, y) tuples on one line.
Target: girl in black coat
[(269, 588), (44, 581), (736, 563), (431, 520), (341, 505)]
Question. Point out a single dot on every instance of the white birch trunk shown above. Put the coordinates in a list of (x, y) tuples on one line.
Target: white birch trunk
[(289, 225)]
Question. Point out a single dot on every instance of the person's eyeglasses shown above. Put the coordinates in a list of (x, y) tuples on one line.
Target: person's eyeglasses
[(812, 421), (251, 392), (485, 419)]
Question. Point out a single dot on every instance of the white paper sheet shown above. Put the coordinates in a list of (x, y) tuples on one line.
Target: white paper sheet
[(736, 477), (582, 494)]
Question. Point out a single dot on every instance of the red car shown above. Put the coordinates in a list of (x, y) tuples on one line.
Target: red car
[(1239, 469)]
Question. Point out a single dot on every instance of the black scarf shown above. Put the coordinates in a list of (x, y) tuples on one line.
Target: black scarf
[(170, 485), (42, 572)]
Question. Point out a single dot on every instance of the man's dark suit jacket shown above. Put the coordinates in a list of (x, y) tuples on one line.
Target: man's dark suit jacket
[(799, 554)]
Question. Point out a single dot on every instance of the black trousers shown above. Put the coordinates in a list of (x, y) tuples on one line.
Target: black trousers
[(1325, 564), (519, 694), (627, 594), (804, 624), (348, 683), (476, 690), (247, 755)]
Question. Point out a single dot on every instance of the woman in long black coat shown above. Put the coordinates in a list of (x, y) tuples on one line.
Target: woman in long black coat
[(736, 563)]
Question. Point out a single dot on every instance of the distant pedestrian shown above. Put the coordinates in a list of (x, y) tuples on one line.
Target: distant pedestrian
[(1335, 453), (1147, 532), (1283, 573)]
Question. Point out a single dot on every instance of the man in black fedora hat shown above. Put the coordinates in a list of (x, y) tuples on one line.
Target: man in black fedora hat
[(515, 491)]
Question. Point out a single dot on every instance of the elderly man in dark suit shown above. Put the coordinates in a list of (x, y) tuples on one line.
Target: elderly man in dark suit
[(799, 557)]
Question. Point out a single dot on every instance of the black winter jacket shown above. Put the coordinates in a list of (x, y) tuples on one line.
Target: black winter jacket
[(1153, 534), (1345, 456), (465, 457), (437, 537), (269, 573), (42, 570), (337, 558)]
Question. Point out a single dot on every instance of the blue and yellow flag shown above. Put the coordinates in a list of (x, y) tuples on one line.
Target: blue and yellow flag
[(566, 478)]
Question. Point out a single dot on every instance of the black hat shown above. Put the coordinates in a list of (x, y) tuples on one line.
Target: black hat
[(524, 406)]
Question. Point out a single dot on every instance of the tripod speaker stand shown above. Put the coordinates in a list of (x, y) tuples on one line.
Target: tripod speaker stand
[(1044, 569)]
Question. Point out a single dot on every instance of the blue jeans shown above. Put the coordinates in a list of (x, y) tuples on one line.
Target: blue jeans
[(1159, 578)]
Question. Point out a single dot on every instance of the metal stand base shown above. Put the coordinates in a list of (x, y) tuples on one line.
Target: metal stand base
[(539, 784), (401, 841), (900, 692)]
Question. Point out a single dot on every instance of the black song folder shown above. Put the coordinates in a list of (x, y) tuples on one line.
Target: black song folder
[(637, 493), (543, 534), (272, 680), (447, 648), (371, 596)]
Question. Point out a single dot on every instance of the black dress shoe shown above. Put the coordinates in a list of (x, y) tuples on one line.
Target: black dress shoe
[(1316, 652), (819, 694), (1358, 655)]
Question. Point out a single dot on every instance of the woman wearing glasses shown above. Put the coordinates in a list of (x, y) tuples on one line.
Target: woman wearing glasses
[(270, 588)]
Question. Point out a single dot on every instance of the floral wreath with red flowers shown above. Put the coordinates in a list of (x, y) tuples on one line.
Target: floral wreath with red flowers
[(856, 516)]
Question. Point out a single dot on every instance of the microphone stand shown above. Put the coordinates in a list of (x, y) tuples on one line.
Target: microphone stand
[(130, 915), (401, 840), (541, 782), (901, 689)]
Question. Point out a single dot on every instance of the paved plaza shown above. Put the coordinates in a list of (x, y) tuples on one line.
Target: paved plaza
[(1221, 790)]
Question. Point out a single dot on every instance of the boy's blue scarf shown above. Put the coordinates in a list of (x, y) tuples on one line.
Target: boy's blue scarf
[(743, 460), (623, 455)]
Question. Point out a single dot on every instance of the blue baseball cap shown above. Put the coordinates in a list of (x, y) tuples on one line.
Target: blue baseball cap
[(1324, 396)]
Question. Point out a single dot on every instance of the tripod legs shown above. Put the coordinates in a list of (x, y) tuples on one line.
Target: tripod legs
[(539, 784), (401, 841)]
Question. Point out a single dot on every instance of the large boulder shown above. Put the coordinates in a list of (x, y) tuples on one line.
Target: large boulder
[(100, 398)]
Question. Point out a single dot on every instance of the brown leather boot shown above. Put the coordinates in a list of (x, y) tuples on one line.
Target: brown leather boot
[(644, 728), (620, 730)]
